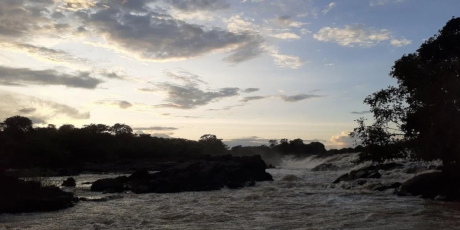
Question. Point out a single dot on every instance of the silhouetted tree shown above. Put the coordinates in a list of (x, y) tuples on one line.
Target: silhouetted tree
[(66, 128), (420, 118), (273, 143), (121, 129), (212, 145)]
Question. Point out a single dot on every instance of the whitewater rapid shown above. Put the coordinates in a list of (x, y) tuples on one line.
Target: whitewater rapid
[(297, 199)]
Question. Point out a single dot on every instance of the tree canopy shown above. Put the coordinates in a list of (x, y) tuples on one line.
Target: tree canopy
[(420, 117)]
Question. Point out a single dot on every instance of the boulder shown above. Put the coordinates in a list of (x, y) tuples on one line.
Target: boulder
[(110, 185), (367, 172), (428, 185), (212, 173), (325, 167), (30, 196), (69, 182)]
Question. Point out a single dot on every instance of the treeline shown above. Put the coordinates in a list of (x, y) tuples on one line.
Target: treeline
[(25, 146)]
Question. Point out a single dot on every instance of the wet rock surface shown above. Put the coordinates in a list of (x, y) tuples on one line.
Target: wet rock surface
[(69, 182), (367, 172), (212, 173), (30, 196)]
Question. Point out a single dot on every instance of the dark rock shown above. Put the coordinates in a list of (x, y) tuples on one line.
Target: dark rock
[(213, 173), (428, 185), (109, 185), (386, 187), (415, 169), (30, 196), (367, 172), (70, 182), (325, 167), (374, 175), (270, 166), (361, 182)]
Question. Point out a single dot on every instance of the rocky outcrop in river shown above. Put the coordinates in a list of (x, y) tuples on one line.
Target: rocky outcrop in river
[(30, 196), (213, 173)]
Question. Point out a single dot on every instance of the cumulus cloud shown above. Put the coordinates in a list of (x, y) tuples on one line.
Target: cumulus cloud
[(20, 19), (12, 104), (287, 36), (286, 21), (237, 24), (342, 140), (25, 76), (358, 35), (329, 7), (353, 35), (401, 42), (158, 36), (298, 97)]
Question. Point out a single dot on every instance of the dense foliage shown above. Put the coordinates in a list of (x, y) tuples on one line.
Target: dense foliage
[(21, 145), (420, 118)]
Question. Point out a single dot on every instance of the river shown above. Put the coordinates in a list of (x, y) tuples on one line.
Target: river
[(297, 199)]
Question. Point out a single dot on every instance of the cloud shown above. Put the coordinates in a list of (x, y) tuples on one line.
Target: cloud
[(12, 104), (246, 52), (253, 98), (37, 120), (199, 5), (22, 19), (343, 140), (27, 110), (155, 128), (118, 103), (305, 31), (185, 77), (25, 76), (43, 53), (283, 60), (287, 36), (158, 36), (298, 97), (353, 35), (399, 43), (237, 24), (374, 3), (189, 96), (360, 112), (246, 141), (329, 7), (286, 21), (250, 90)]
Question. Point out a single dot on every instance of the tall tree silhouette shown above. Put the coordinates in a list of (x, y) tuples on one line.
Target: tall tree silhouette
[(420, 118)]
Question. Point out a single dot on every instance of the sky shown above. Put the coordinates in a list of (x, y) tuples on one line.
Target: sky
[(246, 71)]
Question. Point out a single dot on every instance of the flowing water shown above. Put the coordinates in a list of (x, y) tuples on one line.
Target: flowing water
[(297, 199)]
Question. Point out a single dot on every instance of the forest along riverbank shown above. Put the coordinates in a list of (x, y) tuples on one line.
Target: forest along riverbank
[(297, 198)]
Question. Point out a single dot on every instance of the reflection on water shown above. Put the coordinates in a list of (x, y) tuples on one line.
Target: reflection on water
[(297, 199)]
